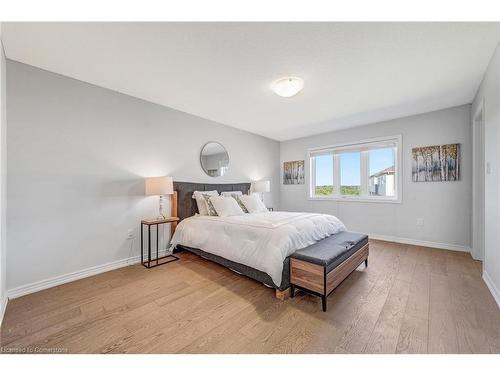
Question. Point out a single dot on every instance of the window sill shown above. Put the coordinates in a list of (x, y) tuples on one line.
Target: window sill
[(356, 199)]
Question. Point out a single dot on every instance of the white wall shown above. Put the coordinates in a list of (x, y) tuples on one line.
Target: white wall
[(77, 155), (444, 206), (489, 91), (3, 179)]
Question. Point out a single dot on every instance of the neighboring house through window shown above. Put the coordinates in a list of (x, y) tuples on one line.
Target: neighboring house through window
[(382, 183)]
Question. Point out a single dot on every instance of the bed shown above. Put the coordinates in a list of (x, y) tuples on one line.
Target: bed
[(256, 245)]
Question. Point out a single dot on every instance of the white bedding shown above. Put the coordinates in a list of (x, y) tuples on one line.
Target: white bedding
[(259, 240)]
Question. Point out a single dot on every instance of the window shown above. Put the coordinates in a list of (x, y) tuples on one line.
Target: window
[(367, 170), (324, 176), (381, 182), (350, 173)]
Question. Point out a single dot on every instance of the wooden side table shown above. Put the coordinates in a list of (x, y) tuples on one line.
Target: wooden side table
[(158, 261)]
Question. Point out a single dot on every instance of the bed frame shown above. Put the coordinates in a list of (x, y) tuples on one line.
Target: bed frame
[(184, 206)]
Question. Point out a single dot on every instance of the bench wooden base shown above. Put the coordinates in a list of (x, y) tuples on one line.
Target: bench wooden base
[(314, 279)]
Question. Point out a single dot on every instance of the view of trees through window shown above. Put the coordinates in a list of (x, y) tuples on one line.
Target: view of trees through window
[(324, 175), (350, 173)]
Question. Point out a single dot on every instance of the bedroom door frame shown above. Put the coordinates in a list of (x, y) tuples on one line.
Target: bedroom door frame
[(478, 183)]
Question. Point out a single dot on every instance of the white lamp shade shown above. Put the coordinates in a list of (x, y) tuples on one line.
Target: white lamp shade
[(262, 186), (159, 185)]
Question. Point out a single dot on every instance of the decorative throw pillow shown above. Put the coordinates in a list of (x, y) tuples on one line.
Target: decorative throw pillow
[(200, 200), (226, 206), (240, 203), (235, 195), (210, 207), (253, 203)]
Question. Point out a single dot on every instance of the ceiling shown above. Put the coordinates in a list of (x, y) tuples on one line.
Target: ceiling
[(355, 73)]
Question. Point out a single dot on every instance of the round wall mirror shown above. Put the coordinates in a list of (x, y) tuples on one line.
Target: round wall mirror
[(214, 159)]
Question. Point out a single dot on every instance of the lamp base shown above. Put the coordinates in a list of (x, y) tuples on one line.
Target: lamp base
[(161, 216)]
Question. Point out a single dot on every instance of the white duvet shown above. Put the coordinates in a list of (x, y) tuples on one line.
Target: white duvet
[(259, 240)]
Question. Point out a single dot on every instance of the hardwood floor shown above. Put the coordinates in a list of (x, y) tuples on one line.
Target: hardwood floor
[(409, 300)]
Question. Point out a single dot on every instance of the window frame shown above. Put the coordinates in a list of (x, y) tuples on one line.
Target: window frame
[(364, 170)]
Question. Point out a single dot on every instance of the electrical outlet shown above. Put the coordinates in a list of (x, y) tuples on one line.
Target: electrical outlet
[(420, 222), (130, 234)]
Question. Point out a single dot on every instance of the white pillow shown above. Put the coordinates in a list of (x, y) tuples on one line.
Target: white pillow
[(230, 193), (253, 203), (236, 195), (200, 201), (226, 206)]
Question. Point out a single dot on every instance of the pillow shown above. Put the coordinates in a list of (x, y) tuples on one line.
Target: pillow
[(225, 206), (210, 206), (253, 203), (230, 193), (200, 201), (236, 195)]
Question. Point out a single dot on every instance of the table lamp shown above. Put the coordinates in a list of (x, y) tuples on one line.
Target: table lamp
[(262, 187), (159, 186)]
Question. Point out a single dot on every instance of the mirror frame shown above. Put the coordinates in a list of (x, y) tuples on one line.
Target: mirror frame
[(201, 154)]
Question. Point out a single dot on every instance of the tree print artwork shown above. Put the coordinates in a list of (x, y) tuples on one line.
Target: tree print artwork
[(293, 172), (436, 163)]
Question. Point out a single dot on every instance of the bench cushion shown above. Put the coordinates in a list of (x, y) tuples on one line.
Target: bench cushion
[(332, 251)]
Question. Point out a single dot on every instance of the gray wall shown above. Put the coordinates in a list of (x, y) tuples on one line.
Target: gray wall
[(3, 179), (444, 206), (77, 156), (489, 91)]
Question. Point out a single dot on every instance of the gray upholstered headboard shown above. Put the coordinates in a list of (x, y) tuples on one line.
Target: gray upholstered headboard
[(186, 205)]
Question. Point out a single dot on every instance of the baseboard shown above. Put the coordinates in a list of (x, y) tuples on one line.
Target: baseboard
[(58, 280), (410, 241), (3, 307), (491, 286)]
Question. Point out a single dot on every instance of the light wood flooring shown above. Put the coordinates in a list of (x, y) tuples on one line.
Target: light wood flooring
[(409, 300)]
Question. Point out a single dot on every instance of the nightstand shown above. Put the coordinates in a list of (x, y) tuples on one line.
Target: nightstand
[(159, 260)]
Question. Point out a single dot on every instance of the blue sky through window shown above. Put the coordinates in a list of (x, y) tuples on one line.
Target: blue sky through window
[(381, 159), (350, 166), (324, 170)]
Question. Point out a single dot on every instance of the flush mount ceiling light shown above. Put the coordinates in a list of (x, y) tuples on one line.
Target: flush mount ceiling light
[(287, 86)]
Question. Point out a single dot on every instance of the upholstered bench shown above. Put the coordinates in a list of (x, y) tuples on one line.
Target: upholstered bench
[(322, 266)]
